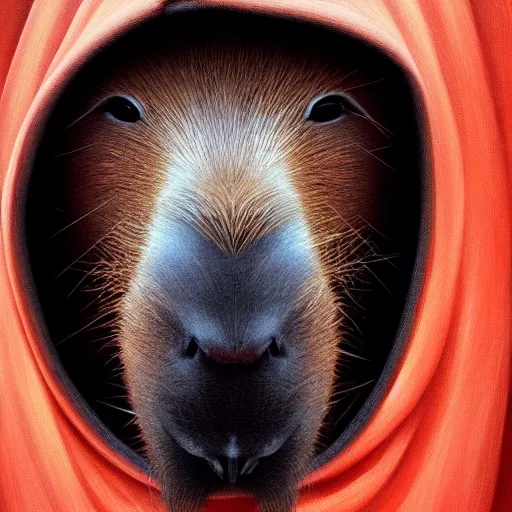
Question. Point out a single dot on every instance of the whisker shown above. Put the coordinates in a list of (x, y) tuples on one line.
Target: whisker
[(373, 227), (99, 298), (77, 269), (87, 274), (376, 157), (349, 295), (81, 218), (364, 262), (377, 125), (109, 337), (355, 231), (384, 286), (90, 249), (346, 352), (363, 85), (329, 239), (379, 149), (92, 109), (346, 410), (85, 327), (349, 74), (59, 155), (352, 321), (116, 407), (115, 384), (114, 357), (353, 388)]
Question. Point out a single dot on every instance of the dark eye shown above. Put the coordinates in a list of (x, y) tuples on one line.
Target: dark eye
[(123, 109), (325, 109)]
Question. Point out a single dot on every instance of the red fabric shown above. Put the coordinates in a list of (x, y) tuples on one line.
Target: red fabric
[(441, 440)]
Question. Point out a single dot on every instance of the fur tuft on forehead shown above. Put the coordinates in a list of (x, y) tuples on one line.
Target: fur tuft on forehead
[(234, 213)]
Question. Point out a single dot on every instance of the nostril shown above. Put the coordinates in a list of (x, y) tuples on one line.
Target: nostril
[(191, 348), (275, 349), (223, 352)]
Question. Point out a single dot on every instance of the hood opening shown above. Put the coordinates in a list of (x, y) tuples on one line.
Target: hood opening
[(383, 308)]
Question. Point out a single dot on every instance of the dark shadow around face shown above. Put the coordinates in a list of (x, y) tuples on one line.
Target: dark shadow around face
[(220, 188)]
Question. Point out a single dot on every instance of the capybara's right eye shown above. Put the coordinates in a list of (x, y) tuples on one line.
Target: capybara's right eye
[(123, 108), (326, 108)]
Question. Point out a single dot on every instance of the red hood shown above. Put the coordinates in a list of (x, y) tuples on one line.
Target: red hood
[(441, 437)]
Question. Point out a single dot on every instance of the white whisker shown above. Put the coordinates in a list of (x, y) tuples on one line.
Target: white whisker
[(353, 388), (355, 356), (116, 407)]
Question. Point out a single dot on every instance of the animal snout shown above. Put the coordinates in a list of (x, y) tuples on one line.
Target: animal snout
[(228, 333), (231, 308)]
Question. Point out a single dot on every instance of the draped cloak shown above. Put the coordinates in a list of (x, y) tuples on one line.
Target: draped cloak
[(440, 436)]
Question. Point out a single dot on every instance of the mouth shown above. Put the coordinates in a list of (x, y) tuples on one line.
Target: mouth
[(191, 468), (235, 465)]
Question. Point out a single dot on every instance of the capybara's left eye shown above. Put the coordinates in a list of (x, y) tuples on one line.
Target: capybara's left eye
[(123, 109), (325, 109)]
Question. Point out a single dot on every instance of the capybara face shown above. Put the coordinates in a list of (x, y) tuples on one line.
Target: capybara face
[(217, 184)]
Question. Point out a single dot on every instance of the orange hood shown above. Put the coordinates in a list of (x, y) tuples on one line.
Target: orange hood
[(441, 436)]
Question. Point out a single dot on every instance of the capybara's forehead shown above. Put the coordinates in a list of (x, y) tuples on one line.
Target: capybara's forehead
[(245, 56)]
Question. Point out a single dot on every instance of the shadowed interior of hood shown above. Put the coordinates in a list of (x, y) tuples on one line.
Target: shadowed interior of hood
[(380, 305)]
